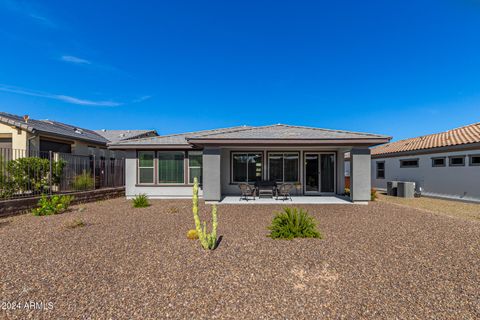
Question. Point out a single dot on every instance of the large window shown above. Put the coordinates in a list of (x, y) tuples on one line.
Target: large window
[(146, 166), (171, 167), (380, 169), (246, 167), (283, 167), (195, 166)]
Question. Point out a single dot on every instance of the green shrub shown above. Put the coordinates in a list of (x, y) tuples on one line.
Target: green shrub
[(373, 194), (140, 201), (31, 174), (293, 223), (83, 181), (52, 205)]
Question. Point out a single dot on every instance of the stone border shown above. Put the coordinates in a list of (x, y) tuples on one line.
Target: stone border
[(23, 205)]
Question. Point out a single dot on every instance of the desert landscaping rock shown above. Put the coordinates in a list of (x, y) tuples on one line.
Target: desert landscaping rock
[(380, 261)]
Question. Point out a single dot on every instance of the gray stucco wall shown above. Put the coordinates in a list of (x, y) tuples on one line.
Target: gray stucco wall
[(462, 183), (360, 184), (153, 191), (211, 174)]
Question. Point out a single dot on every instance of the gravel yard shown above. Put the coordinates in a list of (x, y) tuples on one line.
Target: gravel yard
[(458, 209), (377, 261)]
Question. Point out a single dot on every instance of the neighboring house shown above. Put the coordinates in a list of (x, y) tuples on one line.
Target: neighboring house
[(25, 135), (444, 164), (165, 166)]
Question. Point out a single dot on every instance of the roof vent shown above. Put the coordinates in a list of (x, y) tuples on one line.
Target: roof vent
[(79, 131), (104, 130), (25, 118)]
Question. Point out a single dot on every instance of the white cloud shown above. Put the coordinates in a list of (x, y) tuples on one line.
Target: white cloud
[(141, 99), (74, 59), (59, 97)]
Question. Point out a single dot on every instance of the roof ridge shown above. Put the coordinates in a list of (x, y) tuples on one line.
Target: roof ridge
[(182, 134), (325, 129)]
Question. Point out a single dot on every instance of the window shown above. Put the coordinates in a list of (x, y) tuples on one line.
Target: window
[(171, 167), (380, 169), (283, 167), (409, 163), (195, 166), (246, 167), (475, 160), (146, 166), (457, 161), (438, 162)]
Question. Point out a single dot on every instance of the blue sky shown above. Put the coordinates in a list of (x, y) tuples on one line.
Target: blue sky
[(403, 68)]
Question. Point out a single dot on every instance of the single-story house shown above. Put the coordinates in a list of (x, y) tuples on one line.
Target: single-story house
[(29, 136), (312, 158), (445, 164)]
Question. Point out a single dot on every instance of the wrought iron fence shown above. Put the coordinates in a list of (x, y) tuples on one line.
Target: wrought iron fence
[(30, 173)]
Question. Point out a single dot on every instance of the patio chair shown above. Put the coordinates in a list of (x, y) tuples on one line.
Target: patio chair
[(247, 191), (284, 191)]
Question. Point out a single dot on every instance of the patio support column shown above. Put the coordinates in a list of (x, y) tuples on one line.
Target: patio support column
[(340, 172), (360, 178), (212, 190)]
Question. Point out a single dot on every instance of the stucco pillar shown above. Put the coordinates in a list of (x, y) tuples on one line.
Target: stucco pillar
[(130, 173), (340, 172), (360, 178), (212, 190)]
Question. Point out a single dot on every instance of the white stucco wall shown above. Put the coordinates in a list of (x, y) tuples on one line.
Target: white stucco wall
[(448, 182)]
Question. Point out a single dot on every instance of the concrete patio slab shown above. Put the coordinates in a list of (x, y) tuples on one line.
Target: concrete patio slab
[(294, 200)]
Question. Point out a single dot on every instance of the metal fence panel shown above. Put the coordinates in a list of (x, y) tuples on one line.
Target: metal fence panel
[(26, 174)]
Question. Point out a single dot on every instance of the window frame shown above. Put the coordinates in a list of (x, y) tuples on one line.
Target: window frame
[(283, 165), (232, 153), (154, 168), (158, 172), (470, 162), (439, 158), (376, 169), (456, 165), (410, 159), (199, 152)]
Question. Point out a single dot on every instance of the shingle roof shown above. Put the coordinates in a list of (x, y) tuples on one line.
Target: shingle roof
[(174, 139), (287, 132), (459, 136), (273, 132), (52, 127), (119, 135)]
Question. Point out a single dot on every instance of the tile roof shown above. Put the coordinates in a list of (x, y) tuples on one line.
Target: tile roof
[(174, 139), (118, 135), (273, 132), (287, 132), (53, 128), (459, 136)]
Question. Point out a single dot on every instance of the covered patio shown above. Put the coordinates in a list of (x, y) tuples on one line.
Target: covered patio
[(293, 200)]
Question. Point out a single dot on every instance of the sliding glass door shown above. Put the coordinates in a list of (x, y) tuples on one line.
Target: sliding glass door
[(319, 173)]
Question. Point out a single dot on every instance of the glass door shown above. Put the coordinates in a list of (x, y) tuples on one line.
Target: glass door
[(312, 173), (319, 173)]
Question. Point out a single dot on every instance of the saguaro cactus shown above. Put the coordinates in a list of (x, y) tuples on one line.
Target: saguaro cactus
[(208, 240)]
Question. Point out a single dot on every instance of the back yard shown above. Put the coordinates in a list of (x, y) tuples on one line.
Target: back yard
[(375, 261)]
